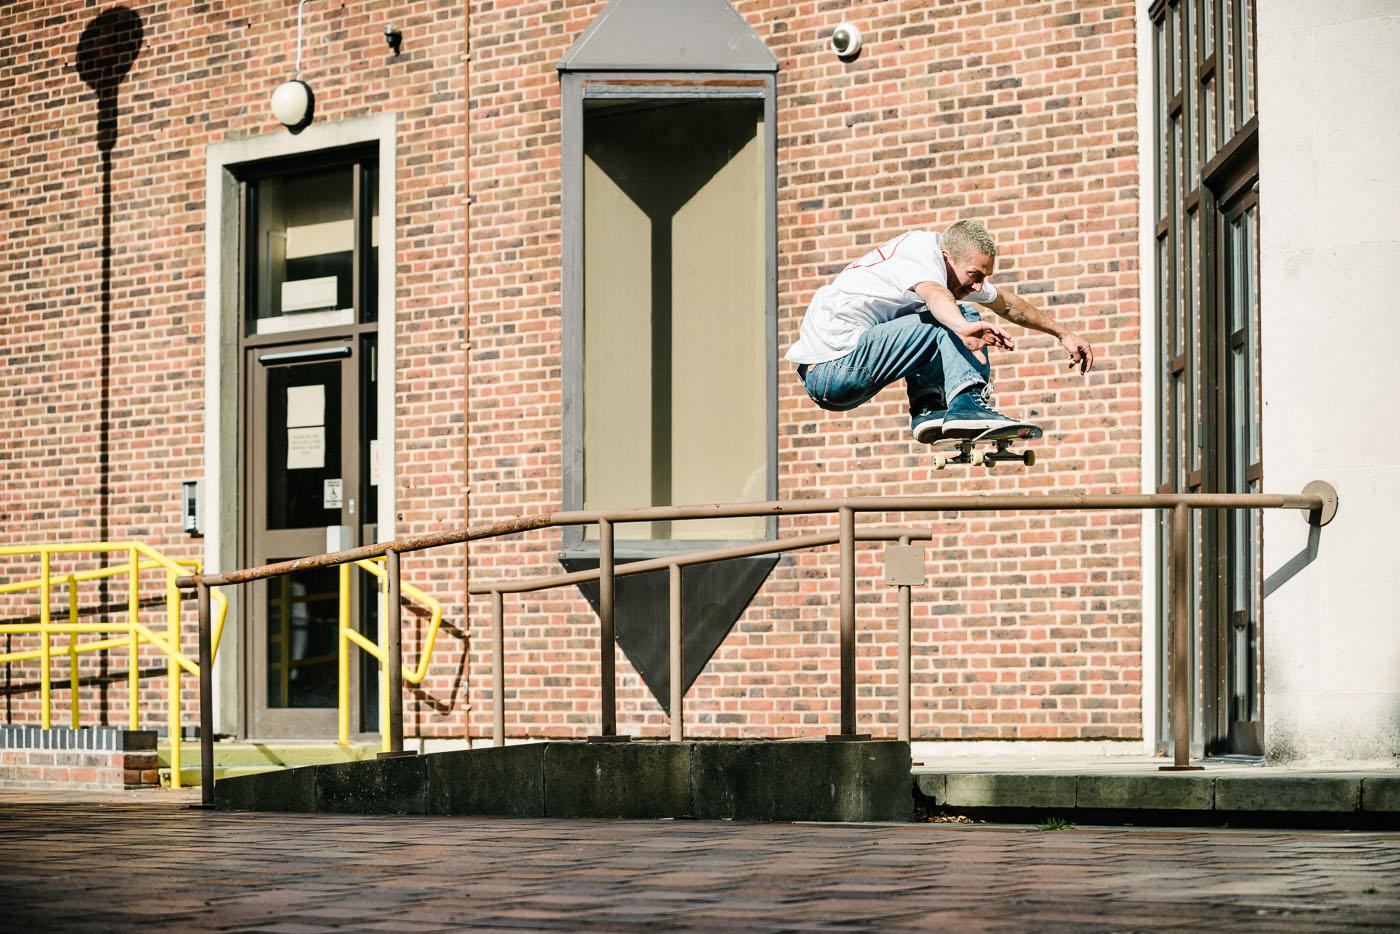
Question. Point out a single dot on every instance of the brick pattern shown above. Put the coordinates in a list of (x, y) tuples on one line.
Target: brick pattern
[(1023, 114)]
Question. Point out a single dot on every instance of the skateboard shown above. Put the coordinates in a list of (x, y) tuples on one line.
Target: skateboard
[(988, 449)]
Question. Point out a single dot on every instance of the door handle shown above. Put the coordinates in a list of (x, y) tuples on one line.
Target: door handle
[(299, 356)]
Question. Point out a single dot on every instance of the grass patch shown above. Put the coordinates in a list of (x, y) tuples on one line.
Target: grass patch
[(1055, 823)]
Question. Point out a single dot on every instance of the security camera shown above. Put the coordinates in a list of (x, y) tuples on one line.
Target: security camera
[(845, 41)]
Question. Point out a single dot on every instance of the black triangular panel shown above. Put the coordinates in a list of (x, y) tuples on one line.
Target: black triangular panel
[(713, 596)]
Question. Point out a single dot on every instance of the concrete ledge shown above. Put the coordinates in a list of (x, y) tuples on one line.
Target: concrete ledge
[(815, 781), (1219, 792)]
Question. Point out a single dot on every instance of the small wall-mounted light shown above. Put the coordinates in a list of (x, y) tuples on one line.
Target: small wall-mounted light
[(846, 41), (393, 37), (293, 104), (190, 496)]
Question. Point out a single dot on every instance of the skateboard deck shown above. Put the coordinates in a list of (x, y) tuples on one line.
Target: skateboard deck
[(988, 449)]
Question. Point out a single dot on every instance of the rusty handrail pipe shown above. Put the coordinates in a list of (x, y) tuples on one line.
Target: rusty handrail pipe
[(776, 546), (1318, 499), (796, 507)]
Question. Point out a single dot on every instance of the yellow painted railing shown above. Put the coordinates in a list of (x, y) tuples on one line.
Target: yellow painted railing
[(380, 650), (132, 632)]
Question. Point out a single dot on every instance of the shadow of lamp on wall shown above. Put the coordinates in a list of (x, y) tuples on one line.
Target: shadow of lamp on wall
[(106, 50)]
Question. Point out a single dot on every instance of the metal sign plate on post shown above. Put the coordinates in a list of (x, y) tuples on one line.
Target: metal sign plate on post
[(904, 565)]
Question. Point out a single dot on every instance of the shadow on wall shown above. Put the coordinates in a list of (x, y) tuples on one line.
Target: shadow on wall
[(104, 55)]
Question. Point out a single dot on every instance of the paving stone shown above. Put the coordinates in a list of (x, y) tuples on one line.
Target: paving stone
[(1180, 791), (1287, 793), (286, 790), (395, 785), (617, 779), (507, 781), (1030, 790), (822, 781)]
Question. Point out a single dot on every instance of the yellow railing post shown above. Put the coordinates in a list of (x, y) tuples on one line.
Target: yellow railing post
[(384, 738), (343, 648), (44, 682), (73, 651), (133, 612), (172, 670)]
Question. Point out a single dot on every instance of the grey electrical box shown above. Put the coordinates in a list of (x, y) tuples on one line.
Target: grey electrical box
[(191, 492)]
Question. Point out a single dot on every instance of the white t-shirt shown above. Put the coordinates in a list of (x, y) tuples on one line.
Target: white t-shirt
[(875, 288)]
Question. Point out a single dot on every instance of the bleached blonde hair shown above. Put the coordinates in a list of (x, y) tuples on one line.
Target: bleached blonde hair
[(966, 237)]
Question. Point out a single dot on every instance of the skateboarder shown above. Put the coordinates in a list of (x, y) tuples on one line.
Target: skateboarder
[(895, 314)]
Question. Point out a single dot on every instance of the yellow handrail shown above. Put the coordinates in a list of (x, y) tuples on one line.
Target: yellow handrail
[(380, 652), (133, 631)]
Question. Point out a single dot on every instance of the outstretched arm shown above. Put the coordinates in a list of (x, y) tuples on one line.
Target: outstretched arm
[(1019, 311), (974, 334)]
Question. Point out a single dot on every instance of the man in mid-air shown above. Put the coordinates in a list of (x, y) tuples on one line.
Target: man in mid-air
[(895, 314)]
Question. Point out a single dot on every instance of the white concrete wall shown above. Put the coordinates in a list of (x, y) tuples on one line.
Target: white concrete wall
[(1329, 118)]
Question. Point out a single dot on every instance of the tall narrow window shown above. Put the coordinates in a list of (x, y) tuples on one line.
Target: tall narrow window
[(673, 313), (1208, 313), (670, 300)]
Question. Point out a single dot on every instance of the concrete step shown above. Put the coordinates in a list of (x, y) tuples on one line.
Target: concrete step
[(270, 754)]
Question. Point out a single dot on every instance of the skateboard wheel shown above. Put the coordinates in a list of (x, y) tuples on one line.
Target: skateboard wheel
[(1028, 458), (939, 462), (977, 458)]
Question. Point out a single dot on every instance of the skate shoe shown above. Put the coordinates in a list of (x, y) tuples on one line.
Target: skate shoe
[(926, 418), (970, 417)]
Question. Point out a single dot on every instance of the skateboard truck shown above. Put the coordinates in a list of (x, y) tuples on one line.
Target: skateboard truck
[(983, 453)]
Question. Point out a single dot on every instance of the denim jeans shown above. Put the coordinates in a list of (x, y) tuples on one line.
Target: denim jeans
[(915, 348)]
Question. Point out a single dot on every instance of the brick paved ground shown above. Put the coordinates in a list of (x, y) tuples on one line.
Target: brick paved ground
[(143, 860)]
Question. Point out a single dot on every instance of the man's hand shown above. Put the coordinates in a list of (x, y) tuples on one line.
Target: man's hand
[(978, 334), (1080, 353)]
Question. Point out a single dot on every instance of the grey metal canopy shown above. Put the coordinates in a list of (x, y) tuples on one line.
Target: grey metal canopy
[(668, 35)]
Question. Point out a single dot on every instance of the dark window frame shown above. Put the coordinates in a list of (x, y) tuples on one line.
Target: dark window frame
[(576, 88), (1207, 171)]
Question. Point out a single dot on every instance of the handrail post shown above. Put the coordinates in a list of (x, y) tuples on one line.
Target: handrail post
[(206, 699), (342, 648), (905, 651), (393, 663), (172, 678), (848, 622), (1180, 630), (73, 674), (498, 667), (676, 672), (133, 612), (45, 680), (607, 657)]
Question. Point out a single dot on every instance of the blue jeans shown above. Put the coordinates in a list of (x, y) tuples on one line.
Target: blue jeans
[(914, 348)]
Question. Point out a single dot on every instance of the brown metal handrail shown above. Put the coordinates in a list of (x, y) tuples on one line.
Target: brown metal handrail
[(1318, 499)]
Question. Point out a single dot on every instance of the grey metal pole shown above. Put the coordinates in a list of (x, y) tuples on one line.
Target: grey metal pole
[(607, 660), (848, 621), (206, 699), (1180, 628), (905, 652), (677, 691), (394, 663), (498, 668)]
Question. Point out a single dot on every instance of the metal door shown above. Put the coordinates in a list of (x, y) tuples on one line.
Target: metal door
[(303, 486)]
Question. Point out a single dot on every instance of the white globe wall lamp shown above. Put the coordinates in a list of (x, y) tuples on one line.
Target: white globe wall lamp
[(293, 104)]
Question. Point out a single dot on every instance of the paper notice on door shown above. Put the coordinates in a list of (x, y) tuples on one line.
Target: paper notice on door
[(330, 494), (306, 406), (374, 463), (306, 448)]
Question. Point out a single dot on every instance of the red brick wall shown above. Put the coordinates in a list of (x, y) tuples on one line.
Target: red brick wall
[(205, 73), (1021, 114)]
